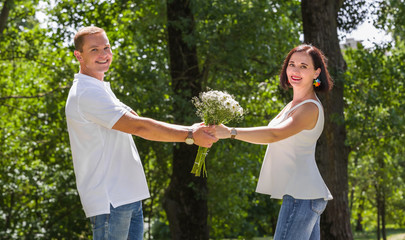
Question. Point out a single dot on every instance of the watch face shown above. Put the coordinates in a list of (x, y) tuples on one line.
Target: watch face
[(189, 141)]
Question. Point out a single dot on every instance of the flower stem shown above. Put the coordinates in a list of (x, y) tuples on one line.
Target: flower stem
[(199, 163)]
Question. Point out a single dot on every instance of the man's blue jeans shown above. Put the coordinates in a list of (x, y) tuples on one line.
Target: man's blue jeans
[(299, 219), (123, 222)]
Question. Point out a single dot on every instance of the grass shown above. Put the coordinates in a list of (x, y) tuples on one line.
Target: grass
[(392, 234)]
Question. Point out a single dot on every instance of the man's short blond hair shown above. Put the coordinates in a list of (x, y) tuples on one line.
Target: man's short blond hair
[(79, 37)]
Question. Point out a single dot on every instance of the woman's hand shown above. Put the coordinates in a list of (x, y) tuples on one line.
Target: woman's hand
[(222, 131)]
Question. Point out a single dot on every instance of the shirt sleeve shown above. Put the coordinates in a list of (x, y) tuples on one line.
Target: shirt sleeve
[(129, 109), (97, 106)]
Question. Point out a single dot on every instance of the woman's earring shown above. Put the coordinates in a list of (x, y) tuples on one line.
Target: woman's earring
[(317, 82)]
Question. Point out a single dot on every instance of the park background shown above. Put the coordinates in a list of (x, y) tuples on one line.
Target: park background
[(166, 52)]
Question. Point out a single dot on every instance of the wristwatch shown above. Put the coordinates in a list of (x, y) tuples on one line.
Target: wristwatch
[(190, 139), (233, 133)]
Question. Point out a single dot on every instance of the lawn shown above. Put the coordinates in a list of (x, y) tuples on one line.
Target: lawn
[(392, 234)]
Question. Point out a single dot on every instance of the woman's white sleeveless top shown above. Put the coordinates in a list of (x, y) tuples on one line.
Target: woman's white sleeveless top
[(289, 165)]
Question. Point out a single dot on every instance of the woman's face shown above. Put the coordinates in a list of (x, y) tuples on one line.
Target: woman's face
[(301, 71)]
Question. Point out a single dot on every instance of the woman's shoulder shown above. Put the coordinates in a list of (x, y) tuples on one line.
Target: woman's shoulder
[(308, 107), (307, 114), (307, 104)]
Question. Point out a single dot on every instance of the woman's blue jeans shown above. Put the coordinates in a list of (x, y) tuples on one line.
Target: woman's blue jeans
[(299, 219), (123, 222)]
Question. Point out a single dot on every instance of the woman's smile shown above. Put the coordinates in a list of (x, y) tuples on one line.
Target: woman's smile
[(295, 78)]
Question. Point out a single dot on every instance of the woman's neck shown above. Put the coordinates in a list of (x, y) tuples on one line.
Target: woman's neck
[(299, 96)]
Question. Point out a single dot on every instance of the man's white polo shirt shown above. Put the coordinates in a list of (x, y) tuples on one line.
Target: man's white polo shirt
[(106, 162)]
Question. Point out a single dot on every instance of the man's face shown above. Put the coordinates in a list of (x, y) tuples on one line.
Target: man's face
[(96, 57)]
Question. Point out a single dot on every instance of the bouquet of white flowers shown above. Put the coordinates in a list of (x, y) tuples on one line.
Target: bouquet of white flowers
[(214, 107)]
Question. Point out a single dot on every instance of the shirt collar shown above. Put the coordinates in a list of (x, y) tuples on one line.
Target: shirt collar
[(91, 80)]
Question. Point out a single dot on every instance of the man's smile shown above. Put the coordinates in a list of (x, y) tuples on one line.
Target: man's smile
[(102, 62)]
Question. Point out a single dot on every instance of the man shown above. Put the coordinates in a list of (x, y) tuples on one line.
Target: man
[(109, 174)]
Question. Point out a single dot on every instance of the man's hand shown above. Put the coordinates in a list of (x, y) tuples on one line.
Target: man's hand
[(204, 136)]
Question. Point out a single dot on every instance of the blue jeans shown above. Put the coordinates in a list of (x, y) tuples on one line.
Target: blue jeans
[(123, 222), (299, 219)]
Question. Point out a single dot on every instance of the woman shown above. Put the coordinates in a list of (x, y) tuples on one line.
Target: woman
[(289, 170)]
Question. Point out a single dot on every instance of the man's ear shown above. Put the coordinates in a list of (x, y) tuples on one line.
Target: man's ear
[(78, 55)]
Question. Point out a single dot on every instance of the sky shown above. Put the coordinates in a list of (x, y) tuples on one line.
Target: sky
[(368, 34)]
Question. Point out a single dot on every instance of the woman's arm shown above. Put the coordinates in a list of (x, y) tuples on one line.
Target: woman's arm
[(303, 118)]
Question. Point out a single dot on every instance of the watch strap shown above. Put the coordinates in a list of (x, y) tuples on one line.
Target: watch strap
[(233, 133), (190, 133)]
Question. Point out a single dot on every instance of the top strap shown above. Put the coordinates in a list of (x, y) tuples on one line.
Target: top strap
[(303, 102)]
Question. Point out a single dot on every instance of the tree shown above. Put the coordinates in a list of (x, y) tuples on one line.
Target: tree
[(320, 28), (37, 188), (4, 15), (237, 54), (240, 46), (375, 118), (186, 197), (391, 18), (38, 193)]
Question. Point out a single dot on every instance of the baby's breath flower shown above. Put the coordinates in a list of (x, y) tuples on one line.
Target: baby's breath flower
[(214, 107)]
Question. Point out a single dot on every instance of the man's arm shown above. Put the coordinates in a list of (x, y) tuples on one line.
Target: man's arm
[(154, 130)]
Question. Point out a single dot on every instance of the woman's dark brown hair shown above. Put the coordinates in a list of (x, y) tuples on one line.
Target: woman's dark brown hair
[(319, 60)]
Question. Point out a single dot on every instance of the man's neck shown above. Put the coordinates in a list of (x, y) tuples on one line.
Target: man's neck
[(99, 76)]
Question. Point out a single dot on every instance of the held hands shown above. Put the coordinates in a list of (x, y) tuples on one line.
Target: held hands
[(204, 136)]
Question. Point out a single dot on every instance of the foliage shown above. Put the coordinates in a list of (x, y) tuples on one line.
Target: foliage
[(137, 33), (37, 182), (375, 124), (391, 18), (241, 46), (237, 210), (354, 12)]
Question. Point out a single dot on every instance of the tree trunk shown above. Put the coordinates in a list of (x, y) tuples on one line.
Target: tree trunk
[(383, 224), (4, 15), (186, 197), (380, 192), (320, 29), (378, 213), (359, 220)]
